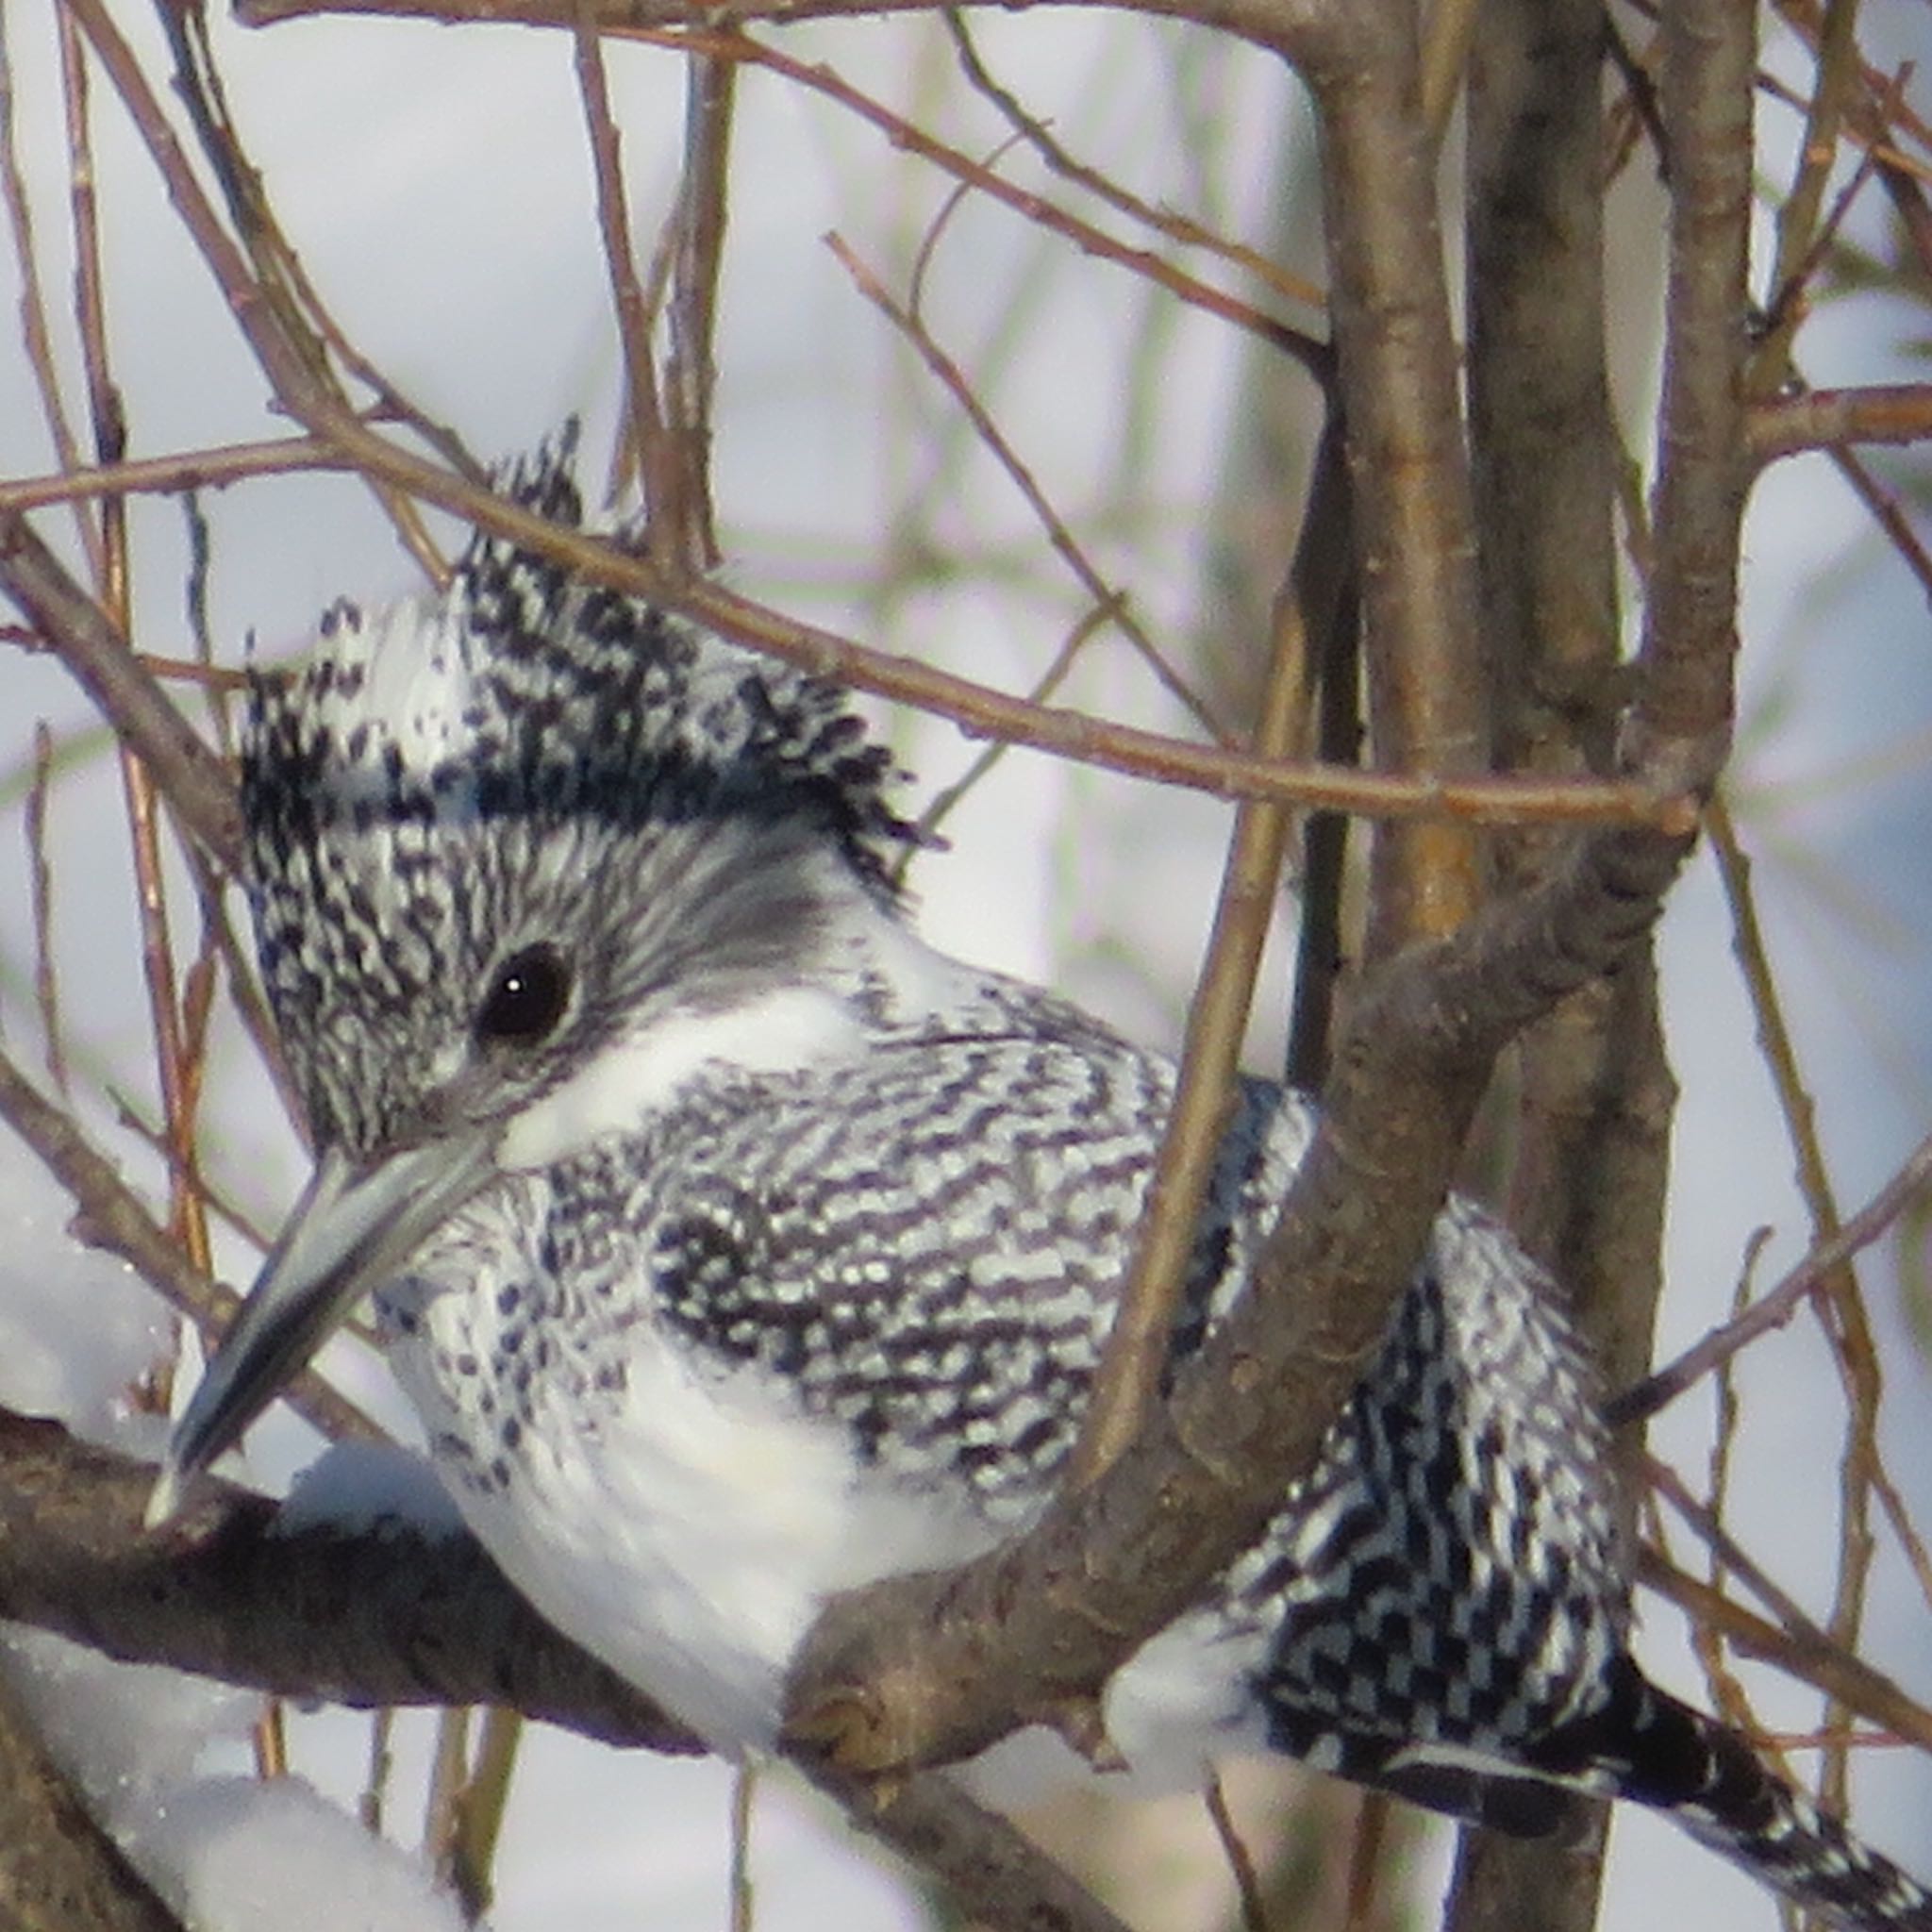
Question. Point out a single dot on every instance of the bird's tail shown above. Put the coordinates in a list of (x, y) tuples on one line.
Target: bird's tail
[(1645, 1746)]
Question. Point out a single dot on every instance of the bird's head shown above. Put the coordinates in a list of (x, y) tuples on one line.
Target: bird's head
[(493, 837)]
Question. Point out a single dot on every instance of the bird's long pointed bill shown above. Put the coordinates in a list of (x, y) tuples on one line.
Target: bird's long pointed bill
[(352, 1227)]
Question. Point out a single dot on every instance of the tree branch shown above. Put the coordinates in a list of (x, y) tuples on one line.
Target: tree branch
[(926, 1669), (396, 1615), (1591, 1130), (344, 442), (1309, 22), (918, 1670), (1788, 426), (399, 1617), (1135, 1360), (1775, 1308), (1685, 701), (1407, 468), (59, 1869), (128, 694)]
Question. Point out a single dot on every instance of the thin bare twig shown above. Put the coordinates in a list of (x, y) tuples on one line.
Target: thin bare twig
[(1177, 228), (1777, 1307), (659, 469), (1834, 76), (1308, 350), (124, 692), (34, 333), (41, 888), (225, 1209), (166, 475), (1106, 597), (299, 316), (177, 1084), (137, 709), (973, 706), (1820, 1664), (449, 1770), (689, 373), (1888, 514), (1730, 1556), (1842, 1307), (1241, 1861), (1138, 1346), (946, 800)]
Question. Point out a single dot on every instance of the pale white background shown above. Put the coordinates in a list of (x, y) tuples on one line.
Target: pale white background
[(435, 184)]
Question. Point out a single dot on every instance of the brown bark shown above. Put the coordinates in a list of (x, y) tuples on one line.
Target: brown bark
[(59, 1871)]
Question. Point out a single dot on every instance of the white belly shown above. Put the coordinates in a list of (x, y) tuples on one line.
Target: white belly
[(685, 1523), (685, 1529)]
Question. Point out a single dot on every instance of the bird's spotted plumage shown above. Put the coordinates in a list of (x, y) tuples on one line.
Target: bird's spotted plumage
[(737, 1248)]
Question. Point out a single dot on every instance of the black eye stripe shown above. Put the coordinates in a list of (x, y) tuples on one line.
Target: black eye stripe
[(527, 997)]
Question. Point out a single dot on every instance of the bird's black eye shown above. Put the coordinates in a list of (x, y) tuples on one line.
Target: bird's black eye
[(527, 999)]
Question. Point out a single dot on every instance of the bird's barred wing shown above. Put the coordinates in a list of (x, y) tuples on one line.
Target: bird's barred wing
[(927, 1244)]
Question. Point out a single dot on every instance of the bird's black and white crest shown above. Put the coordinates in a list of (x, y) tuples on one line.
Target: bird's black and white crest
[(444, 785)]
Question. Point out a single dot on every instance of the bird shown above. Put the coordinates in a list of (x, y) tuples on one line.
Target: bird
[(737, 1248)]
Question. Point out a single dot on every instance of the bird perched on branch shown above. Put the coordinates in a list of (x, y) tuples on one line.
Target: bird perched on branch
[(737, 1248)]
